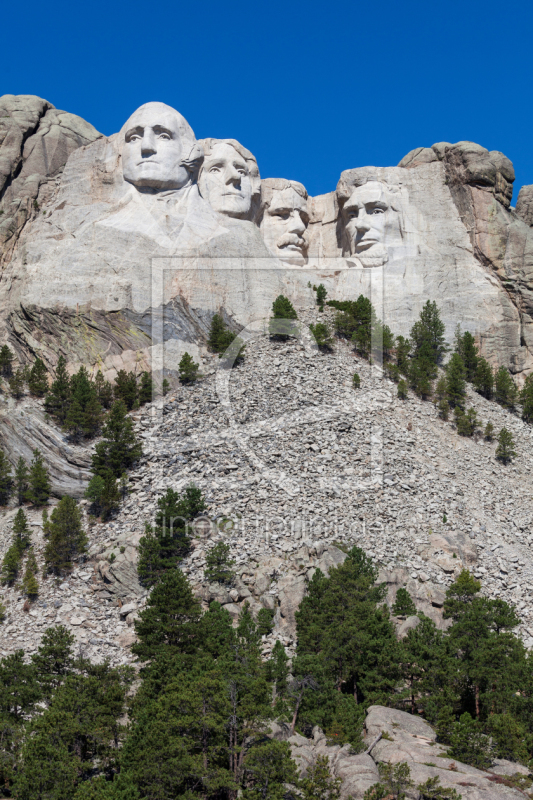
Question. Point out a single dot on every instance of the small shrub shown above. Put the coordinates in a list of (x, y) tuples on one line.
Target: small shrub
[(219, 565), (505, 450), (356, 381), (403, 604), (488, 433), (403, 390), (188, 369)]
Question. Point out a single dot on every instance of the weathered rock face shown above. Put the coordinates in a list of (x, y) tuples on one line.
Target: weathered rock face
[(35, 142), (140, 223)]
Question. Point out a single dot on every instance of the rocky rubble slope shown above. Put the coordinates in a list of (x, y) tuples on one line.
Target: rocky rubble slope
[(307, 464)]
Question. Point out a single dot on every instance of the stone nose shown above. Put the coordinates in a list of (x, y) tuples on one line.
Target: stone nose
[(296, 223), (362, 222), (232, 175), (148, 145)]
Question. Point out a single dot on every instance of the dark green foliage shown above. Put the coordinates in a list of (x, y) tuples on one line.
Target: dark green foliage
[(318, 783), (6, 480), (465, 345), (505, 391), (322, 335), (403, 349), (488, 433), (10, 565), (403, 604), (403, 390), (505, 450), (104, 390), (393, 371), (219, 565), (6, 362), (444, 409), (16, 384), (526, 399), (161, 548), (355, 320), (38, 379), (321, 294), (188, 369), (40, 487), (356, 381), (125, 388), (427, 335), (433, 790), (345, 639), (165, 387), (120, 447), (54, 659), (220, 336), (282, 323), (146, 389), (30, 583), (104, 494), (169, 621), (469, 743), (21, 481), (84, 413), (467, 422), (268, 768), (455, 381), (265, 621), (21, 532), (394, 780), (484, 378), (66, 537), (58, 400), (423, 371)]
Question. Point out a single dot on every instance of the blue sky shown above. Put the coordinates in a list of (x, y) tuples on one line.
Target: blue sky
[(310, 88)]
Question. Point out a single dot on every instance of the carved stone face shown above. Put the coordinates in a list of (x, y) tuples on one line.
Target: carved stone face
[(365, 215), (153, 149), (225, 181), (284, 224)]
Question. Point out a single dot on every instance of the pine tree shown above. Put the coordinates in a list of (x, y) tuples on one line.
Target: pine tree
[(526, 399), (103, 492), (75, 419), (321, 294), (169, 620), (54, 659), (162, 547), (57, 401), (356, 381), (219, 565), (488, 433), (465, 345), (322, 335), (126, 389), (38, 379), (165, 387), (318, 783), (429, 330), (403, 605), (220, 336), (146, 389), (92, 417), (120, 447), (6, 362), (6, 479), (188, 369), (484, 378), (403, 390), (11, 565), (84, 415), (282, 323), (40, 487), (403, 348), (104, 390), (21, 532), (66, 537), (16, 384), (455, 381), (30, 584), (505, 450), (505, 391), (467, 423), (21, 481)]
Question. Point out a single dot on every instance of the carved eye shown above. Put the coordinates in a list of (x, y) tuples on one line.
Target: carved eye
[(377, 211), (214, 169), (163, 136), (281, 214), (134, 137)]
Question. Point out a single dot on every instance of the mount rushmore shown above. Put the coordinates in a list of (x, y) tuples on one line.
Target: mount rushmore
[(97, 233)]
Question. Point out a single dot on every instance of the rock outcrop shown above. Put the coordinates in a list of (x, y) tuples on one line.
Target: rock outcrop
[(36, 140)]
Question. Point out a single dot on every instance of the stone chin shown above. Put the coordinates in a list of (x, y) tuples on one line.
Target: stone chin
[(292, 255), (374, 256)]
